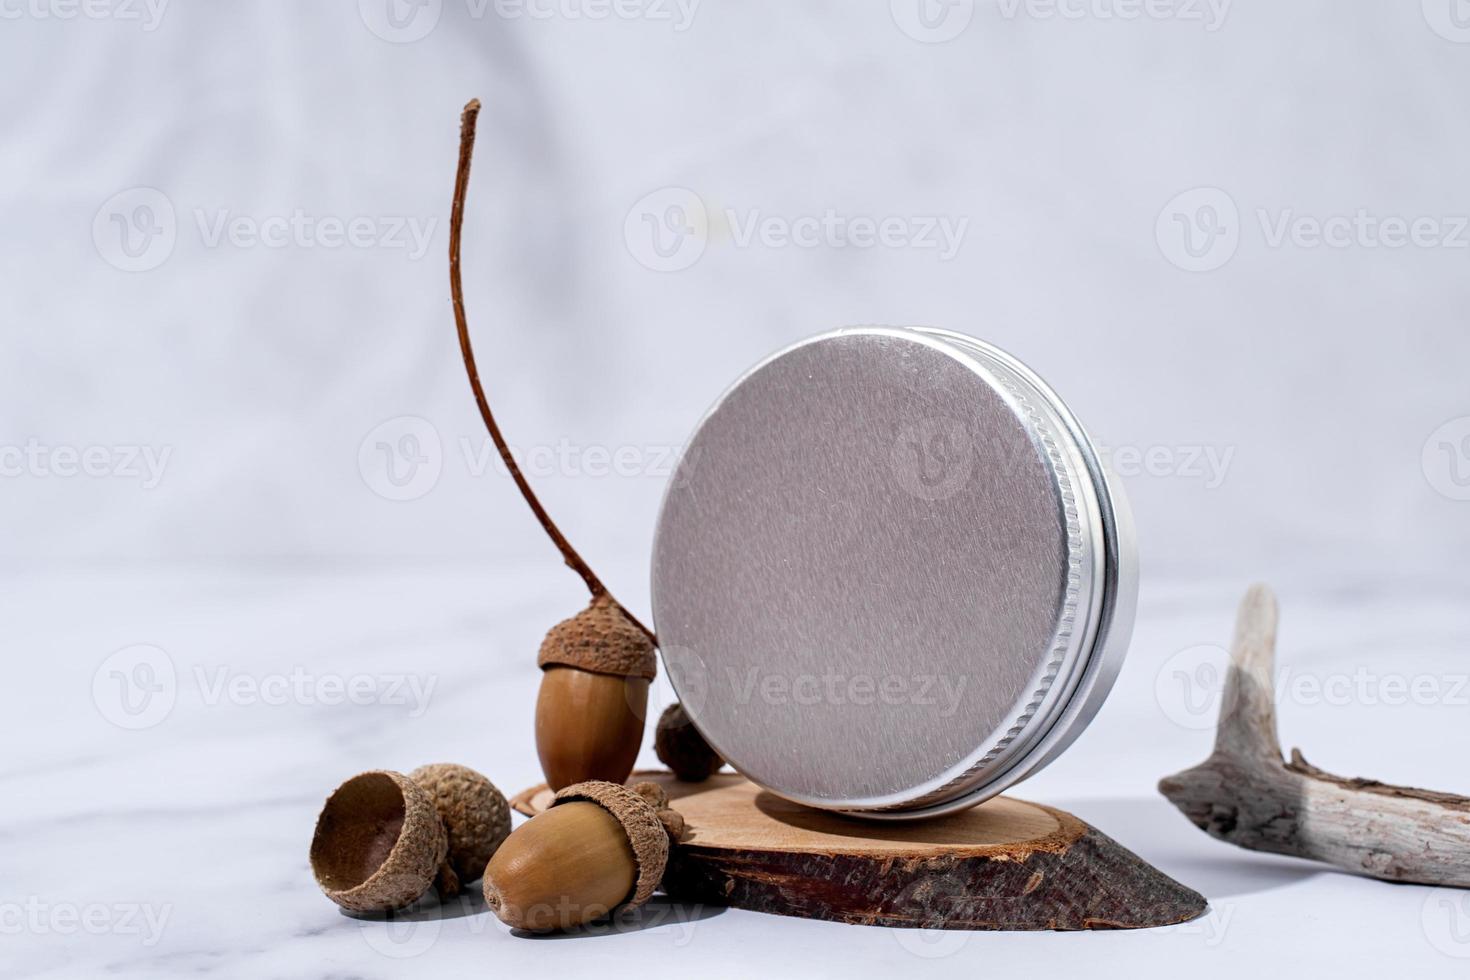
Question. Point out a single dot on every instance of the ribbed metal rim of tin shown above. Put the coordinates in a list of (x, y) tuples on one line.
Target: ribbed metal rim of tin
[(1094, 662)]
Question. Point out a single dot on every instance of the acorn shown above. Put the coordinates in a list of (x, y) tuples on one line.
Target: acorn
[(594, 696), (475, 815), (379, 843), (594, 692), (597, 849), (681, 747)]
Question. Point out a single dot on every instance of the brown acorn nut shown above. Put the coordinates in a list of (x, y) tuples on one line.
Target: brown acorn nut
[(475, 815), (682, 748), (594, 696), (378, 843), (598, 848)]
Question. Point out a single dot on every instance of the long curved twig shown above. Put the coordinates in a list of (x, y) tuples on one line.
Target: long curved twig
[(456, 224)]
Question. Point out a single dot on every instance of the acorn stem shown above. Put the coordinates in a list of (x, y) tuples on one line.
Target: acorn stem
[(456, 224)]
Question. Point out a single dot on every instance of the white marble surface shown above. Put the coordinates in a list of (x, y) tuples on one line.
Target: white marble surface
[(1323, 387), (179, 847)]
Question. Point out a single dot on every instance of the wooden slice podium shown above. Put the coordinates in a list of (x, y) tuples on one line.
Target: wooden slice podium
[(1006, 864)]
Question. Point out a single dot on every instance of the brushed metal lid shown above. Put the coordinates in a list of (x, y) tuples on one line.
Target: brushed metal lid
[(890, 575)]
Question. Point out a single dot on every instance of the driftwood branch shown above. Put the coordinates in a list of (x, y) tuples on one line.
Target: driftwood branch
[(1247, 794)]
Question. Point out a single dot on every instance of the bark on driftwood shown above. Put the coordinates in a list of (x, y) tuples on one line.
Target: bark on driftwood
[(1245, 793)]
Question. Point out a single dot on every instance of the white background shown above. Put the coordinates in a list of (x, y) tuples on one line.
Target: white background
[(1137, 186)]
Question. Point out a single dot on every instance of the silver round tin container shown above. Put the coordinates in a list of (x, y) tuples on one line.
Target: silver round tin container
[(891, 576)]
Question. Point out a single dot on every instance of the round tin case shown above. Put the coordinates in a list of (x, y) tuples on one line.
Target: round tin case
[(891, 576)]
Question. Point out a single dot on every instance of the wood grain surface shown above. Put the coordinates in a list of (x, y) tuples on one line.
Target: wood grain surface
[(1006, 864)]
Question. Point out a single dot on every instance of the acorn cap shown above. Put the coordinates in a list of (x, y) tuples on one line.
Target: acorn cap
[(475, 814), (681, 747), (639, 815), (378, 844), (601, 639)]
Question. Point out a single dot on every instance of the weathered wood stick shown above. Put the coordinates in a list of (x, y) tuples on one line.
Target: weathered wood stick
[(1245, 793)]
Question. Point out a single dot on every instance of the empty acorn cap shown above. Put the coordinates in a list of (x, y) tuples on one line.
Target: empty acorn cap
[(637, 810), (601, 639), (378, 844), (475, 815)]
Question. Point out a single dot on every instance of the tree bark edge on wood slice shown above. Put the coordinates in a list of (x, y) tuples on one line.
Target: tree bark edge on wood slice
[(1005, 865)]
